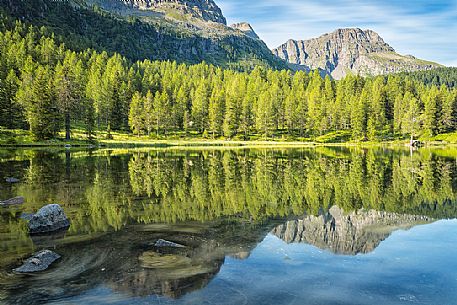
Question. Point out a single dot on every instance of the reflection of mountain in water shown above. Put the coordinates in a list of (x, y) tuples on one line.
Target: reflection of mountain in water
[(128, 261), (357, 232)]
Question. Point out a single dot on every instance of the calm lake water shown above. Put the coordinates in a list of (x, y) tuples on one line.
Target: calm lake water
[(259, 226)]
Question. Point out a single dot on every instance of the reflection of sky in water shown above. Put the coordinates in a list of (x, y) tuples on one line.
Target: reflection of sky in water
[(417, 266)]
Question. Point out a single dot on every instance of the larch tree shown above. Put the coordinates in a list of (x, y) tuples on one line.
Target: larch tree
[(136, 114)]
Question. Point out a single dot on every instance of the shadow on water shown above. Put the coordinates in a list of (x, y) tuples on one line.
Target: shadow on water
[(218, 203)]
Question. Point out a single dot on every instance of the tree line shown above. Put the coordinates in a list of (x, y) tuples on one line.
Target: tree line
[(440, 76), (45, 87)]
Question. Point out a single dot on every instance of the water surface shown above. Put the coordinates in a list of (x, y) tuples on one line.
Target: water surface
[(259, 226)]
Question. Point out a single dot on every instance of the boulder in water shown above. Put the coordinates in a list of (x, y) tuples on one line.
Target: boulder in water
[(38, 262), (49, 218)]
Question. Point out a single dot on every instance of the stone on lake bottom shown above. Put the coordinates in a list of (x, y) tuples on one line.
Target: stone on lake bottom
[(12, 201), (166, 243), (38, 262), (11, 180)]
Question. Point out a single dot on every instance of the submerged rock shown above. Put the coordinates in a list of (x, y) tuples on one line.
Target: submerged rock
[(38, 262), (26, 216), (12, 201), (11, 180), (165, 243), (49, 218)]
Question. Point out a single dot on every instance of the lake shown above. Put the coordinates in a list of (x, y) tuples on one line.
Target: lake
[(257, 226)]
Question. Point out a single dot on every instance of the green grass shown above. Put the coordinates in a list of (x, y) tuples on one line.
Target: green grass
[(19, 138), (445, 138), (335, 137)]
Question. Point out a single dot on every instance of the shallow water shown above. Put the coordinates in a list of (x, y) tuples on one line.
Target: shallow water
[(259, 226)]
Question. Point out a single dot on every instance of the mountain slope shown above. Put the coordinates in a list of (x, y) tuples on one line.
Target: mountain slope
[(205, 10), (346, 51), (185, 31)]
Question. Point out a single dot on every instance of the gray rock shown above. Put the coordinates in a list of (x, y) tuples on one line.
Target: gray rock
[(346, 51), (38, 262), (246, 28), (205, 10), (11, 180), (165, 243), (12, 201), (49, 218)]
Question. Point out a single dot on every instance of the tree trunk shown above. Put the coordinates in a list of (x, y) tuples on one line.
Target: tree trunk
[(67, 126)]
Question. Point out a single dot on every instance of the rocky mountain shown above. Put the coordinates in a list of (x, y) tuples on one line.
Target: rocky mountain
[(189, 31), (205, 10), (357, 232), (245, 28), (346, 51)]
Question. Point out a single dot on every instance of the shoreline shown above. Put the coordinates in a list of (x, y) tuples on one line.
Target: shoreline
[(213, 144)]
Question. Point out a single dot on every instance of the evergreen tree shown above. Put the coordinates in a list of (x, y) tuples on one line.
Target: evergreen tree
[(359, 116), (264, 114), (160, 111), (200, 102), (377, 108), (430, 112), (42, 112), (216, 110), (148, 112), (411, 119), (447, 119), (66, 90), (136, 114), (233, 99), (10, 111)]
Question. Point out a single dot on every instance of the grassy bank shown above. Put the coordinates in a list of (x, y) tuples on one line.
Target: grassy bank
[(23, 138)]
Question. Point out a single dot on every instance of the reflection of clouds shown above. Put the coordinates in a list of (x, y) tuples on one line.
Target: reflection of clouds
[(422, 28)]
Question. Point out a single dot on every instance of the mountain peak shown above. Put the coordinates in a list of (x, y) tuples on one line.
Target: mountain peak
[(348, 50), (246, 28)]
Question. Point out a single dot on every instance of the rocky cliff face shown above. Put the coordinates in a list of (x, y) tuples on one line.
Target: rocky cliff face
[(245, 28), (346, 51), (350, 234), (205, 10)]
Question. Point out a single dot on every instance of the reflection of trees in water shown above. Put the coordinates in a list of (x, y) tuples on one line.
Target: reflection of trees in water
[(257, 184), (109, 190)]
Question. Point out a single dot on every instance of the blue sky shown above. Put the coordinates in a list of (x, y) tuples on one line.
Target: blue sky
[(425, 29)]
